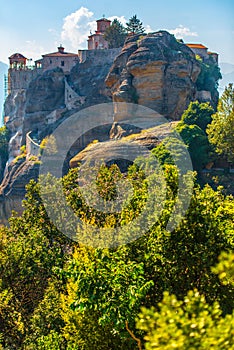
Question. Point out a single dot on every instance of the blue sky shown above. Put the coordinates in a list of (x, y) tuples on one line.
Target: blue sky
[(34, 28)]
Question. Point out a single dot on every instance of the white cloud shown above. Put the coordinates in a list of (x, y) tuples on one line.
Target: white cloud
[(181, 32), (148, 29), (76, 28), (121, 19)]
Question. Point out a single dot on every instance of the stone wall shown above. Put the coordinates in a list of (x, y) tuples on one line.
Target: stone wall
[(72, 99), (98, 56), (19, 79), (32, 147), (65, 63)]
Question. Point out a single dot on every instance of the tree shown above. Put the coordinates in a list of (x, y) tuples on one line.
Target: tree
[(31, 248), (197, 142), (188, 324), (209, 75), (198, 114), (109, 286), (134, 26), (70, 296), (221, 130), (115, 35)]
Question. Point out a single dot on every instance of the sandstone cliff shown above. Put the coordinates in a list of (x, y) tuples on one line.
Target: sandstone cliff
[(155, 71)]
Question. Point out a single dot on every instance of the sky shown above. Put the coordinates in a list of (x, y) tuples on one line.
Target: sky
[(34, 27)]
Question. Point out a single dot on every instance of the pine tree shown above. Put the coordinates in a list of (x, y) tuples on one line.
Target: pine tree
[(115, 35), (134, 26)]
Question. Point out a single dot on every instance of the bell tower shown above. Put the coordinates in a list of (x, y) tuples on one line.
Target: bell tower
[(102, 25), (97, 41)]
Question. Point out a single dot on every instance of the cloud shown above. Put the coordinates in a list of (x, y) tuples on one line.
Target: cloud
[(148, 29), (181, 32), (121, 19), (76, 28)]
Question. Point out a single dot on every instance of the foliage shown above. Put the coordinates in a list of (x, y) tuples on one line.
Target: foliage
[(220, 131), (225, 268), (209, 76), (46, 323), (110, 286), (198, 114), (48, 144), (69, 296), (115, 35), (171, 151), (196, 140), (31, 248), (134, 26), (187, 324)]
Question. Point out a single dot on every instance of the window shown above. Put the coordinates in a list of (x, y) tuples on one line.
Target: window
[(62, 63)]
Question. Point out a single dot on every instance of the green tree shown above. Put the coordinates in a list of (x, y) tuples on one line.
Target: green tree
[(225, 268), (109, 286), (187, 324), (46, 323), (196, 140), (220, 131), (115, 35), (32, 249), (67, 296), (209, 75), (198, 114), (134, 26)]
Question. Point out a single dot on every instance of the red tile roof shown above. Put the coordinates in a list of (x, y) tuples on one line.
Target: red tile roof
[(103, 19), (17, 55), (60, 54), (196, 46)]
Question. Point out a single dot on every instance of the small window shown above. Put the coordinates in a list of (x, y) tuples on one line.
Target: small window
[(62, 63), (50, 61)]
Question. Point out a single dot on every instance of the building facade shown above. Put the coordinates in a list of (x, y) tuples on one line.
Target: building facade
[(62, 59), (96, 41)]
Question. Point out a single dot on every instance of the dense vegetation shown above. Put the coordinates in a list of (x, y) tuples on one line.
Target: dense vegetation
[(164, 289), (115, 34)]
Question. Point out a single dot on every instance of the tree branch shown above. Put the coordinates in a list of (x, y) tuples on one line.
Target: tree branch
[(133, 336)]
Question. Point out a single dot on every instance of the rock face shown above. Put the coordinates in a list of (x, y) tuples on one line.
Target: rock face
[(52, 96), (44, 95), (49, 99), (122, 149), (155, 71), (12, 189)]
